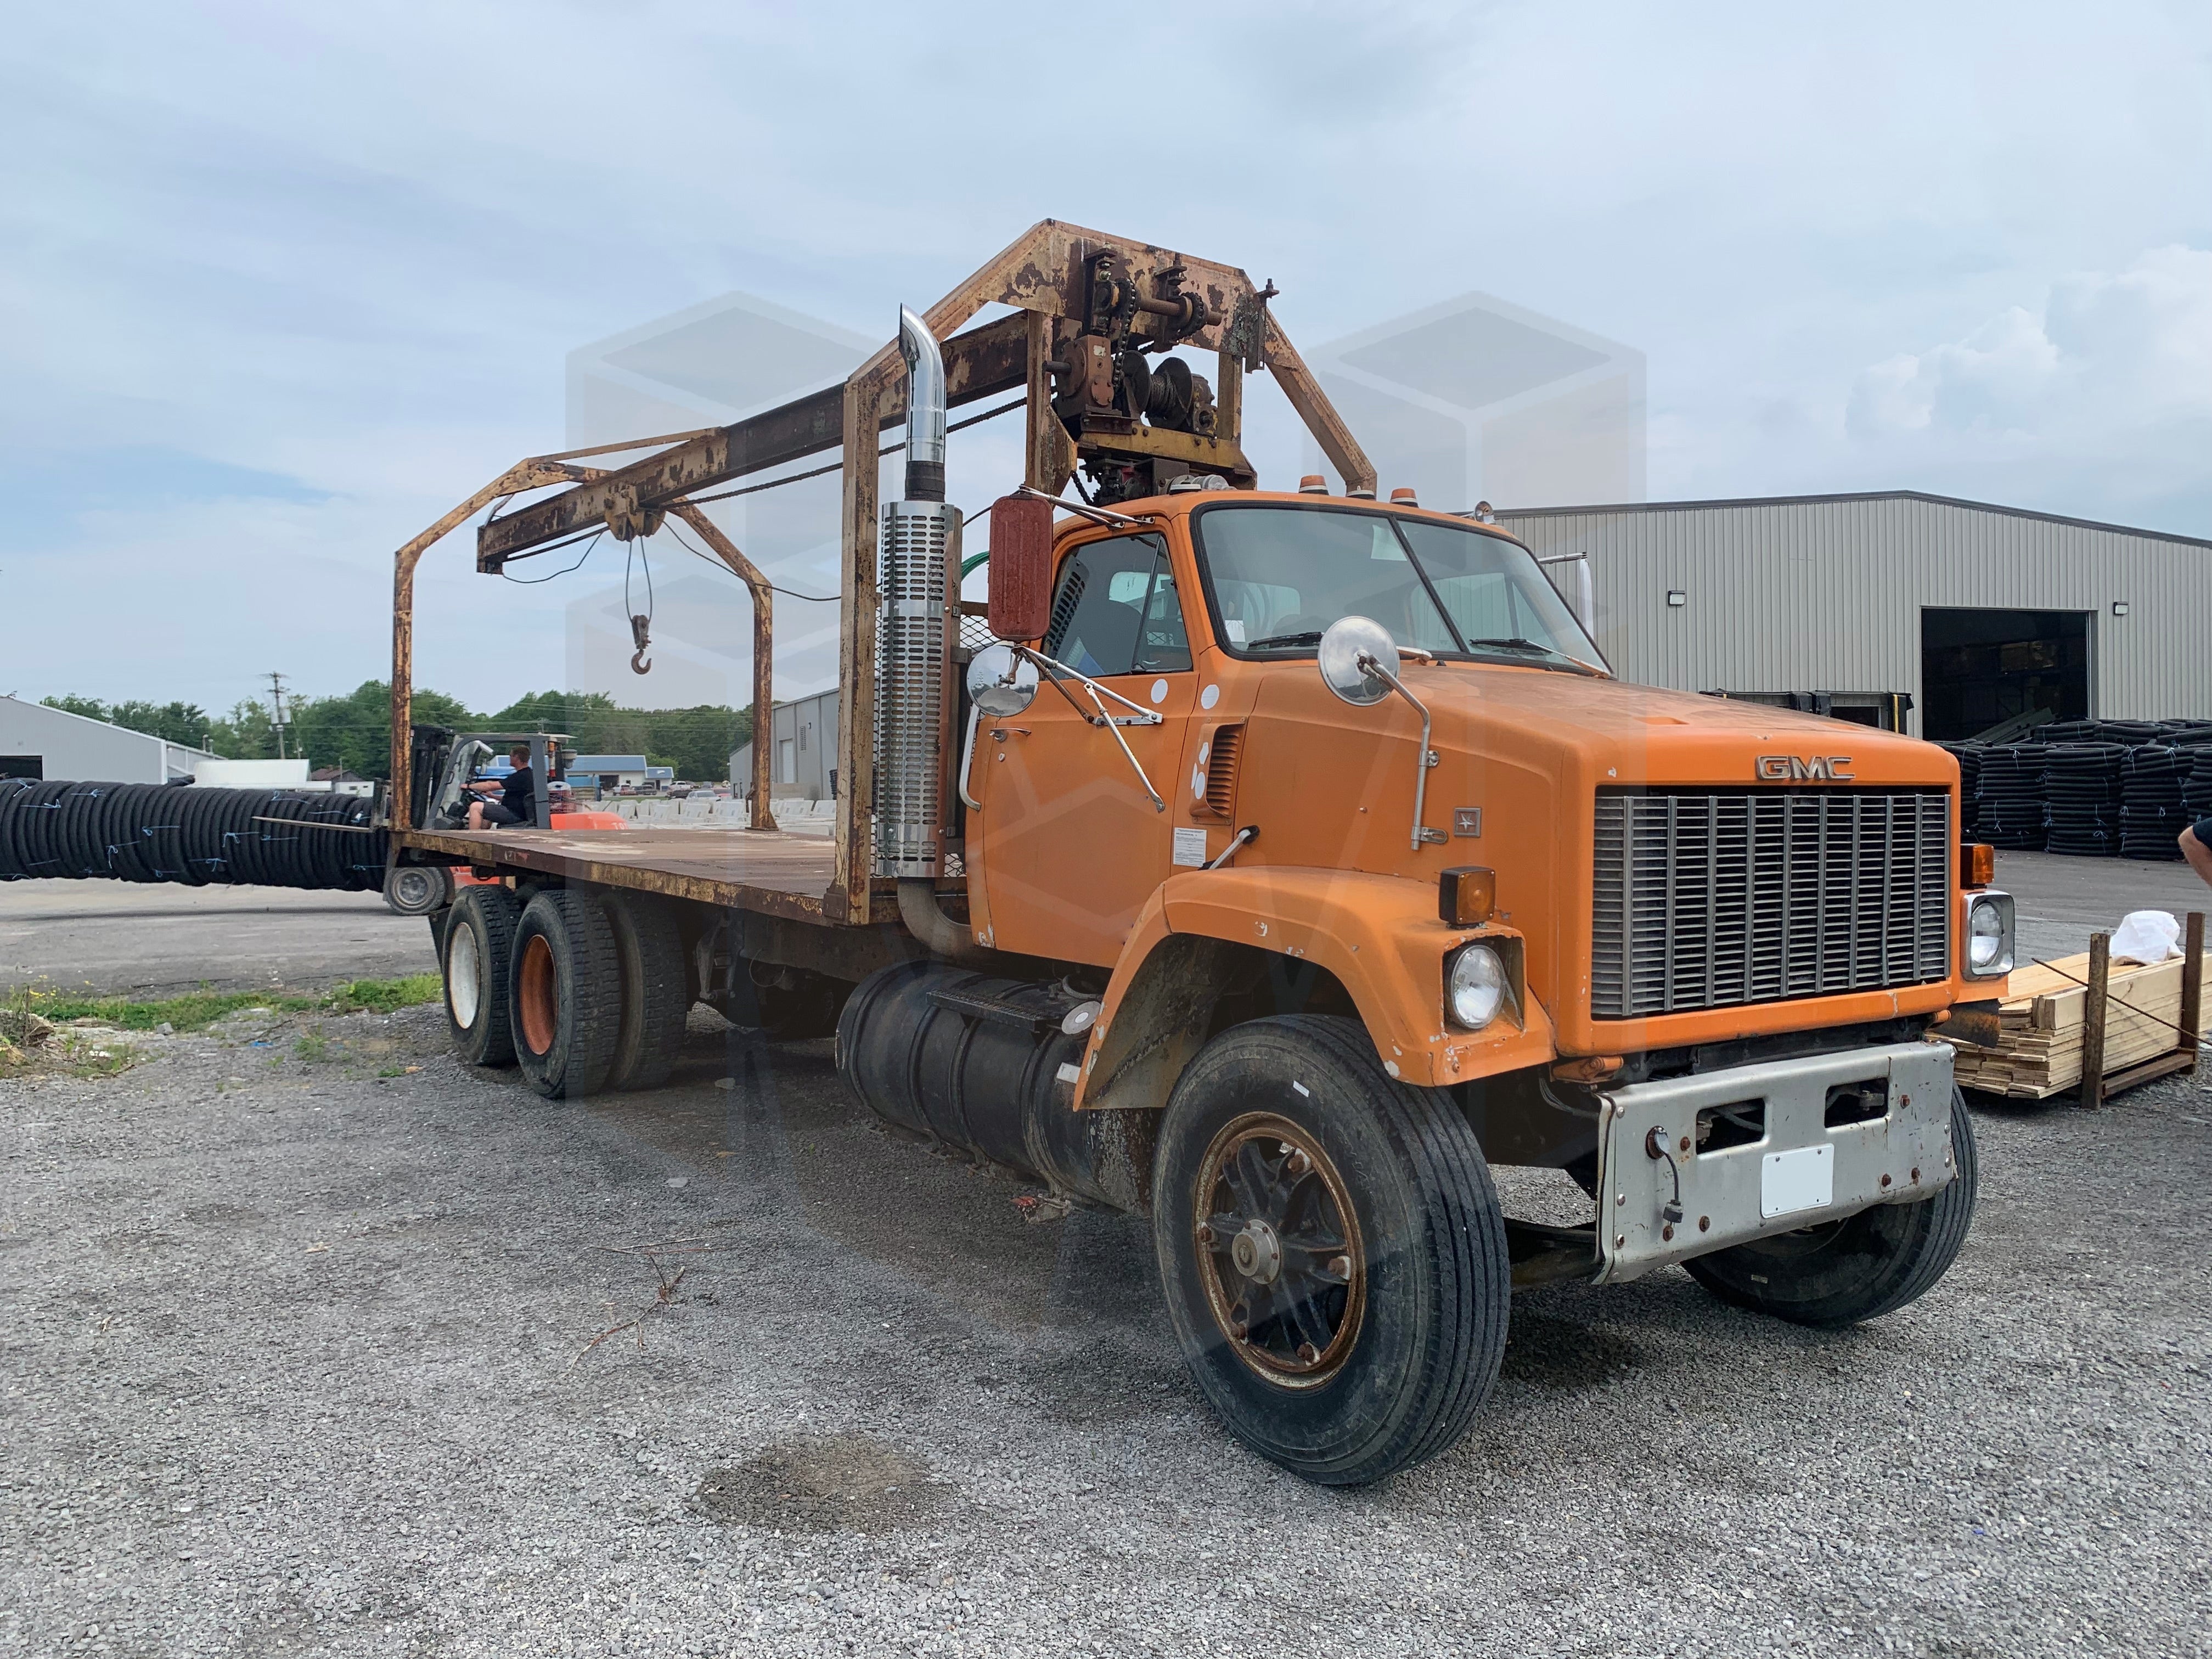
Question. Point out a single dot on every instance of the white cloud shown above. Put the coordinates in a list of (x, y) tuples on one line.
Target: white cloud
[(2112, 357)]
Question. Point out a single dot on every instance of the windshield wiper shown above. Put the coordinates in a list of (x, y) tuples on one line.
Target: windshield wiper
[(1310, 636), (1517, 644), (1573, 662)]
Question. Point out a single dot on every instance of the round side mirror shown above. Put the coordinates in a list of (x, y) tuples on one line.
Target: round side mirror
[(1347, 640), (1000, 682)]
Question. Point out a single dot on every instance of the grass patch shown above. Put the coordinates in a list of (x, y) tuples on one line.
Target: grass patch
[(199, 1009), (382, 996)]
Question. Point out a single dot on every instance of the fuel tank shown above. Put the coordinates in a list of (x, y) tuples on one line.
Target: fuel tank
[(983, 1065)]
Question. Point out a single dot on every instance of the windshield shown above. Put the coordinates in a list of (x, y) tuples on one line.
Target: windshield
[(1277, 576)]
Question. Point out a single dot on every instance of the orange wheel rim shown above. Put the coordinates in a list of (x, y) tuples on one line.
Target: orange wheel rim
[(539, 1005), (1278, 1250)]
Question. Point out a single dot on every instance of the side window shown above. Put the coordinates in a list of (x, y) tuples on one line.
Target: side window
[(1164, 648), (1116, 611)]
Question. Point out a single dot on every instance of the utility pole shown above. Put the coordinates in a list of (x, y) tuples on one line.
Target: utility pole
[(277, 703)]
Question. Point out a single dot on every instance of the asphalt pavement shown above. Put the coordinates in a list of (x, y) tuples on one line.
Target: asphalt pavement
[(103, 938)]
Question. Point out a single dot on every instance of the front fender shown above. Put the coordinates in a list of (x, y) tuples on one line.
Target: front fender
[(1379, 935)]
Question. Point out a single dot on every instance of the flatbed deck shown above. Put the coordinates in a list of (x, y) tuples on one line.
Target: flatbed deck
[(772, 871)]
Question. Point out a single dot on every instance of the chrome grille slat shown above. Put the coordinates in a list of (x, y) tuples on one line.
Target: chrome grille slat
[(1716, 898)]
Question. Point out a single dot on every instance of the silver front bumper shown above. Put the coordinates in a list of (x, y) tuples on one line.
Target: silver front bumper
[(1802, 1172)]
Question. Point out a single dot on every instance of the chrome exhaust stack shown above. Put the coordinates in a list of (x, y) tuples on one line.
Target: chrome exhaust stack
[(919, 547)]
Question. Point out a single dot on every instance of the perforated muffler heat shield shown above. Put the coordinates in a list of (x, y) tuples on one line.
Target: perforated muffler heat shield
[(920, 542)]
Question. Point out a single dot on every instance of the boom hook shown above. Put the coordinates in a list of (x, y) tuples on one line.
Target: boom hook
[(640, 630)]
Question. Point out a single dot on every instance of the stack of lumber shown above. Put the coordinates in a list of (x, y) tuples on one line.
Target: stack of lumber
[(2039, 1052)]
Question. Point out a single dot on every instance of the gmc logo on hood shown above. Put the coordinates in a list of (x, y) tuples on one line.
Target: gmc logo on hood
[(1818, 769)]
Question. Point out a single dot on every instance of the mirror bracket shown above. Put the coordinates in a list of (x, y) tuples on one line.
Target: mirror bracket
[(1359, 662)]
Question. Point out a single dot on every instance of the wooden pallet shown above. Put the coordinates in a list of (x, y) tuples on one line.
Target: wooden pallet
[(2091, 1025)]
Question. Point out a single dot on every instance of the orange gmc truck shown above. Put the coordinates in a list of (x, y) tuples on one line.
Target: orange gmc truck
[(1271, 864)]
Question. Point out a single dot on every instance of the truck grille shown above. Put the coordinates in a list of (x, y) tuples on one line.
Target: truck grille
[(1714, 899)]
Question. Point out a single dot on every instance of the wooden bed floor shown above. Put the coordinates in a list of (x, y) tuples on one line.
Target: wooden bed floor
[(770, 870)]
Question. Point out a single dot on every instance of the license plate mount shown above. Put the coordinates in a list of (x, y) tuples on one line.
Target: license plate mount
[(1802, 1178)]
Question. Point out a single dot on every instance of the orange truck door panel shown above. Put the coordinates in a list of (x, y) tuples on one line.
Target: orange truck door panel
[(1070, 845)]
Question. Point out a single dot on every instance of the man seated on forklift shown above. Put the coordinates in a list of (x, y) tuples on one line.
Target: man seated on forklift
[(517, 791)]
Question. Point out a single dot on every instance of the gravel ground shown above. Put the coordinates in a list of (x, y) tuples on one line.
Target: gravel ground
[(296, 1361)]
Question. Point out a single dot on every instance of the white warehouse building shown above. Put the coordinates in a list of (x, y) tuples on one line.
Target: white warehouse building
[(1987, 617), (40, 742)]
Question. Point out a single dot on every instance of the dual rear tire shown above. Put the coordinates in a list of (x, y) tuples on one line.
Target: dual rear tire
[(585, 992), (475, 948)]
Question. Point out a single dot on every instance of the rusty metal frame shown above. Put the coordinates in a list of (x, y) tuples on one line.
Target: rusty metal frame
[(536, 472), (764, 650), (1041, 278)]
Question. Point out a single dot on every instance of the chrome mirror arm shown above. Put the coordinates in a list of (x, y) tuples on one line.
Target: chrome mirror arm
[(1424, 760), (968, 759), (1054, 670), (1084, 510)]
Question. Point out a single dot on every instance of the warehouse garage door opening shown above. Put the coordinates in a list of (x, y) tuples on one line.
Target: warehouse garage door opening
[(1985, 669)]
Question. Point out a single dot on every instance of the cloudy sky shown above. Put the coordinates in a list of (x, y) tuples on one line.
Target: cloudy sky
[(282, 282)]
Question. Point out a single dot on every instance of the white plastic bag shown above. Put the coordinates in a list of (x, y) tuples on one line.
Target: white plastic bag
[(2146, 936)]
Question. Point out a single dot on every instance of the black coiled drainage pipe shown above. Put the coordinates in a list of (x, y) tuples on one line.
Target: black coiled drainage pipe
[(153, 832), (983, 1065)]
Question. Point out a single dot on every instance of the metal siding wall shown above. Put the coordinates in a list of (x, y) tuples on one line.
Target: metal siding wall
[(1800, 596), (85, 749)]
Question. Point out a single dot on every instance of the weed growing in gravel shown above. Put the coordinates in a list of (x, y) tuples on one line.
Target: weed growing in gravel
[(197, 1010), (312, 1049), (29, 1041), (91, 1056)]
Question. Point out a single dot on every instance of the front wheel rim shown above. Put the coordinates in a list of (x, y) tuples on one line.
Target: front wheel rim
[(1279, 1250)]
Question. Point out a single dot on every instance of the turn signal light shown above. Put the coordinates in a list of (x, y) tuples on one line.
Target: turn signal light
[(1978, 864), (1467, 896)]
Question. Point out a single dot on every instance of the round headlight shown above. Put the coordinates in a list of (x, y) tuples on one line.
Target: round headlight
[(1475, 989), (1985, 936)]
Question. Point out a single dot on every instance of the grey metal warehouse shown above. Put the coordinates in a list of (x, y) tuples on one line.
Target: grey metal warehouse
[(804, 766), (38, 742), (1988, 616)]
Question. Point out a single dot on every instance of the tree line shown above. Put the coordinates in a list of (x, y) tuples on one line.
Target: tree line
[(352, 730)]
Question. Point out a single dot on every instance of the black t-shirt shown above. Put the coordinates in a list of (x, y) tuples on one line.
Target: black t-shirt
[(517, 794)]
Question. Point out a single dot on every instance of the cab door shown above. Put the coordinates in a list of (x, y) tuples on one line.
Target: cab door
[(1070, 844)]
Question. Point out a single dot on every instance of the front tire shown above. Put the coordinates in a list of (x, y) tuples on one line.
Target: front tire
[(1331, 1249), (1843, 1272)]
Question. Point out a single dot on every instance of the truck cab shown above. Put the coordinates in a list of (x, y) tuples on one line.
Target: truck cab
[(1320, 782)]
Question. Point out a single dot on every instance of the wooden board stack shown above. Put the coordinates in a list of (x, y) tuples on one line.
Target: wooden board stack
[(2039, 1052)]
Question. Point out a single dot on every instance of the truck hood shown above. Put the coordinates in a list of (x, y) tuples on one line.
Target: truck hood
[(1521, 756), (1562, 728)]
